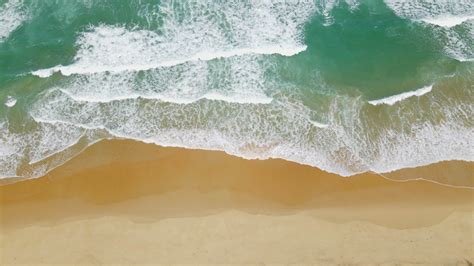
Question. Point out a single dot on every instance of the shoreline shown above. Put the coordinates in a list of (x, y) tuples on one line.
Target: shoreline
[(463, 170), (177, 205)]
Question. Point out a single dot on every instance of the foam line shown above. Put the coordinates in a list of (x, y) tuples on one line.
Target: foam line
[(235, 80), (202, 56), (208, 96), (391, 100), (447, 21)]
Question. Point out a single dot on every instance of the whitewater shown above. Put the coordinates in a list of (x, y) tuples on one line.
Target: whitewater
[(11, 16)]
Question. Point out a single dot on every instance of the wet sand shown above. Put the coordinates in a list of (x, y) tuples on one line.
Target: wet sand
[(128, 202)]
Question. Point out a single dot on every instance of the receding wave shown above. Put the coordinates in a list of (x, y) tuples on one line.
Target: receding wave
[(402, 96), (281, 129)]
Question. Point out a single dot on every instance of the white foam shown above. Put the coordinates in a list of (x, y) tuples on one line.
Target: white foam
[(209, 96), (12, 149), (460, 41), (192, 32), (325, 7), (420, 9), (10, 102), (455, 18), (242, 99), (11, 16), (81, 68), (51, 139), (447, 21), (391, 100), (318, 124), (351, 144), (238, 80), (268, 130)]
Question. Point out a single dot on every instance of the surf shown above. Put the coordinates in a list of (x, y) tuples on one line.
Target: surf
[(85, 68), (391, 100), (11, 17)]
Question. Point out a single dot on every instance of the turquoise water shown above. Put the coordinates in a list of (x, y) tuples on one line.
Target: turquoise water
[(346, 86)]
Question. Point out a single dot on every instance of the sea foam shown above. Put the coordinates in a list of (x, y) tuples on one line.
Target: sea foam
[(453, 19), (349, 143), (189, 58), (82, 68), (196, 36), (448, 21), (237, 79), (10, 102), (391, 100), (418, 9), (11, 16)]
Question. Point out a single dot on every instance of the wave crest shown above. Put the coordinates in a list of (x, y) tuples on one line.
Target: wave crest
[(391, 100), (192, 32)]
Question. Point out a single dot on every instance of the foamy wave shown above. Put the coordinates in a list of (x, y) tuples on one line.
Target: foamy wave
[(81, 68), (11, 16), (420, 9), (199, 34), (349, 143), (402, 96), (458, 41), (238, 80), (447, 21), (260, 99)]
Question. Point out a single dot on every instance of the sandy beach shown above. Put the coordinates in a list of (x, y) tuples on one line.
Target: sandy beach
[(124, 202)]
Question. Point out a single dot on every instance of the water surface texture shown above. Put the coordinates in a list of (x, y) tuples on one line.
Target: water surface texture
[(346, 86)]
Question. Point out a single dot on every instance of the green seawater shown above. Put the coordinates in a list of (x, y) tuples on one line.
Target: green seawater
[(299, 80)]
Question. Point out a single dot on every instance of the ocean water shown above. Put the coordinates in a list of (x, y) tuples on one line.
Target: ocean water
[(346, 86)]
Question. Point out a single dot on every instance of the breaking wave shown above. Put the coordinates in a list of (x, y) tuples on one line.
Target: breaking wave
[(391, 100)]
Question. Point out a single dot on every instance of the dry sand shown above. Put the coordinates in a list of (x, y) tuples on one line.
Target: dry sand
[(133, 203)]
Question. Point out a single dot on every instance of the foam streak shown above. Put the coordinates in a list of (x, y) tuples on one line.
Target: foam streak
[(391, 100), (203, 56)]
